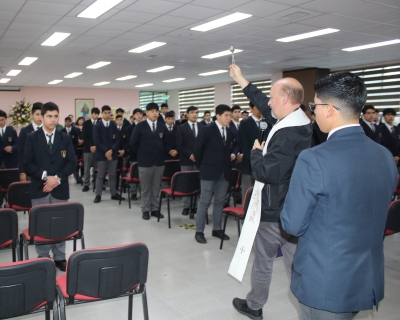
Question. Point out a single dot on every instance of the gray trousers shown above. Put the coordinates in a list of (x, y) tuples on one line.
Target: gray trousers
[(247, 182), (309, 313), (133, 186), (270, 237), (43, 250), (88, 161), (219, 188), (186, 200), (112, 176), (150, 182)]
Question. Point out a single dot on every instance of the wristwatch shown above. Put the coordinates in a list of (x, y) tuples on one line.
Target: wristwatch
[(45, 178)]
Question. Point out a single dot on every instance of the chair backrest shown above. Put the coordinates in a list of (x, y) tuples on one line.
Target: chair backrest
[(185, 182), (56, 221), (233, 180), (19, 194), (247, 198), (393, 218), (171, 167), (8, 226), (26, 285), (134, 170), (8, 176), (107, 272)]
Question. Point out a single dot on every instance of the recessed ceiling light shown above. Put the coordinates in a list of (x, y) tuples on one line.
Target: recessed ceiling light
[(55, 39), (308, 35), (160, 69), (174, 80), (73, 75), (13, 73), (101, 83), (98, 65), (55, 81), (234, 17), (220, 54), (98, 8), (147, 47), (144, 85), (27, 61), (4, 80), (126, 78), (373, 45), (212, 72)]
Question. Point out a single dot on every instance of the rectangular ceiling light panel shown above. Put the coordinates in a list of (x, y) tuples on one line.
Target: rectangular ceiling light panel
[(160, 69), (98, 8), (308, 35), (13, 73), (372, 45), (220, 54), (73, 75), (27, 61), (147, 47), (55, 39), (212, 73), (98, 65), (234, 17)]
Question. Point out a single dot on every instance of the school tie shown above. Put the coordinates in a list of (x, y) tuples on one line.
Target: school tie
[(237, 127), (154, 127), (258, 124), (2, 132), (106, 124), (372, 127), (223, 135), (170, 129), (49, 143), (194, 130)]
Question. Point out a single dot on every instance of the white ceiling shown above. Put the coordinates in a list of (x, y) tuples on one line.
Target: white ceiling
[(25, 24)]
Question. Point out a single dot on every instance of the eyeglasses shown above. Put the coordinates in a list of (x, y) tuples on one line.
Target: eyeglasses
[(313, 105)]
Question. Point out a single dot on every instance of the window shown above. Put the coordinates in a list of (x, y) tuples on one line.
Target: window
[(145, 97), (202, 98), (383, 85), (238, 98)]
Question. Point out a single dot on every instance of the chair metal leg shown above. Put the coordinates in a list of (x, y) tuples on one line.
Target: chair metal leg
[(74, 245), (191, 208), (169, 217), (238, 223), (19, 251), (159, 207), (55, 310), (21, 247), (26, 249), (14, 254), (223, 231), (234, 198), (130, 307), (145, 308), (129, 195), (83, 242), (120, 192), (61, 303)]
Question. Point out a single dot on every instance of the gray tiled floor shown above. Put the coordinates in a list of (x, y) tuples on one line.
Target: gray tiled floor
[(187, 280)]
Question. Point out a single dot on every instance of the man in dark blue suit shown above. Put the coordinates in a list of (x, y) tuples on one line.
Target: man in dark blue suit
[(337, 206), (49, 160), (391, 134), (171, 133), (213, 159), (8, 144), (149, 143), (106, 138), (206, 118), (74, 135), (371, 130), (36, 115)]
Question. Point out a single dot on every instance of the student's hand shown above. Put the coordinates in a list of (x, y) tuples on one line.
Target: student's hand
[(192, 158), (121, 153), (257, 145), (80, 142), (396, 159), (22, 177), (109, 153), (93, 149), (53, 182), (236, 74), (173, 153), (239, 158), (47, 188), (8, 149), (233, 157)]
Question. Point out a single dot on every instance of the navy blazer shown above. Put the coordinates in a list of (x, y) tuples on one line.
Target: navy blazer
[(171, 141), (74, 135), (21, 146), (391, 140), (185, 142), (213, 157), (128, 134), (87, 135), (375, 136), (150, 147), (60, 162), (338, 207), (9, 139), (106, 139)]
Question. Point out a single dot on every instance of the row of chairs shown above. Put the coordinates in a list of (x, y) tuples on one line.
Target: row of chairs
[(92, 275)]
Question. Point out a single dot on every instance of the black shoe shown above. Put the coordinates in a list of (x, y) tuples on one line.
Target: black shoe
[(155, 214), (78, 181), (85, 188), (185, 212), (97, 199), (117, 197), (241, 306), (134, 197), (199, 236), (146, 215), (219, 233), (61, 264)]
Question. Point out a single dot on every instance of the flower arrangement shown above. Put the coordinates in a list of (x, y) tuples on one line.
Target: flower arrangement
[(20, 113)]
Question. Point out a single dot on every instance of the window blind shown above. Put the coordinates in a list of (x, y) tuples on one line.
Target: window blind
[(202, 98), (145, 97), (238, 98)]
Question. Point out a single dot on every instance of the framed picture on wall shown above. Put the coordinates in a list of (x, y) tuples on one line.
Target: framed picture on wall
[(83, 107)]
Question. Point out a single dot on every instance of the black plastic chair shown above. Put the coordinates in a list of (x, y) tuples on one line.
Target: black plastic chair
[(105, 273), (28, 287), (53, 223), (19, 196), (183, 184), (9, 232), (233, 182), (393, 219), (132, 177), (238, 212), (8, 176), (171, 167)]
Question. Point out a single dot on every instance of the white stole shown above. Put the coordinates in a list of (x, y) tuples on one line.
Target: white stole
[(253, 216)]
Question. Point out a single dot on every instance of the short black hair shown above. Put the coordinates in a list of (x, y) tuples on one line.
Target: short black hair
[(251, 104), (70, 115), (120, 110), (245, 111), (105, 108), (367, 107), (206, 112), (303, 107), (152, 106), (344, 89), (49, 106), (236, 107), (221, 108), (36, 106), (170, 114), (68, 119), (214, 118), (95, 111), (118, 116), (192, 108), (136, 111), (389, 111), (164, 105), (3, 114), (172, 111)]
